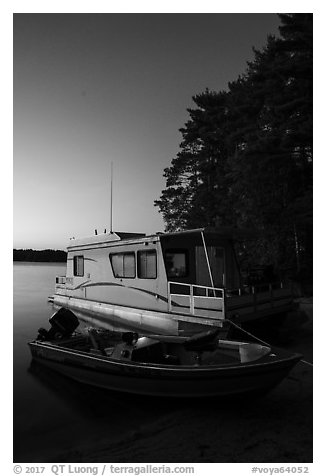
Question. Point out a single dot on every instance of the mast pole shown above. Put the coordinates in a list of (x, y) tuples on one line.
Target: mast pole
[(111, 194)]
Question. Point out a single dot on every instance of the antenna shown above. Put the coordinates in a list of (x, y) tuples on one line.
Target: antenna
[(111, 197)]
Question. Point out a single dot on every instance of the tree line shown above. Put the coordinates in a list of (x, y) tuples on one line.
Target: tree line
[(56, 256), (245, 160)]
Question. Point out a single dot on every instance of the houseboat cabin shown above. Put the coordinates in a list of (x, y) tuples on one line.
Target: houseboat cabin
[(173, 283)]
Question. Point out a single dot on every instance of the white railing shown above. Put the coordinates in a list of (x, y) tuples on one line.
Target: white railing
[(197, 292)]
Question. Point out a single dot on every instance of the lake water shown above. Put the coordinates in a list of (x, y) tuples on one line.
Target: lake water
[(54, 416)]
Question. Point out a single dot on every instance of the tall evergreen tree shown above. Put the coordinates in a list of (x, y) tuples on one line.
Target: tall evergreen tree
[(272, 170), (196, 180), (246, 154)]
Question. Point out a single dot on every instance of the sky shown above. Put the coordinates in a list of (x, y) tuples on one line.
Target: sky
[(91, 89)]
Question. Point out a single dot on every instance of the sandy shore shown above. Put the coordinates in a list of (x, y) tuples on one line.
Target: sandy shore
[(275, 428)]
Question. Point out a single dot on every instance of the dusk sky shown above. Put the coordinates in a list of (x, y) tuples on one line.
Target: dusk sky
[(91, 89)]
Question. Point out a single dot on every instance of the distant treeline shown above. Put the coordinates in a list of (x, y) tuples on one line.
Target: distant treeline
[(56, 256)]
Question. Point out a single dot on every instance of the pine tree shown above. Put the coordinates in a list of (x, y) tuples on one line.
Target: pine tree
[(196, 181), (246, 153), (272, 168)]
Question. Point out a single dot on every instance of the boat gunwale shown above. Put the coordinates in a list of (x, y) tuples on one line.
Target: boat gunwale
[(261, 362)]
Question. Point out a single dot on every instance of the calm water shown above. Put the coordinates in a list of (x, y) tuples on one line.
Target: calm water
[(54, 416)]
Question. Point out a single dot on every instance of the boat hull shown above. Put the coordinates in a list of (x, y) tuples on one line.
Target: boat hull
[(166, 380)]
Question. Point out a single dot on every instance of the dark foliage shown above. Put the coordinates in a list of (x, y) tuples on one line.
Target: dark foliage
[(246, 155), (56, 256)]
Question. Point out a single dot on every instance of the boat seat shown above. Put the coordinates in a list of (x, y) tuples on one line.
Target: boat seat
[(204, 341)]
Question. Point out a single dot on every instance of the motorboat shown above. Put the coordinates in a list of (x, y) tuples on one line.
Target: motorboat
[(201, 365)]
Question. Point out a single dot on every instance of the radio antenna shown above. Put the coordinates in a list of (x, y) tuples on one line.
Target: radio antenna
[(111, 197)]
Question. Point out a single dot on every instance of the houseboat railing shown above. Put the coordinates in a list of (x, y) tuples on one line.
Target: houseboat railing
[(196, 292), (259, 297), (226, 301), (260, 288)]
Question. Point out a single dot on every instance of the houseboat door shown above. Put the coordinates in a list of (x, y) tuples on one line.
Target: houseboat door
[(216, 258)]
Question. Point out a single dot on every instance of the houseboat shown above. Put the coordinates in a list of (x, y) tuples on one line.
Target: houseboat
[(172, 283)]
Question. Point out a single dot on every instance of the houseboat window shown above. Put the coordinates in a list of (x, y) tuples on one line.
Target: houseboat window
[(147, 266), (176, 263), (123, 265), (78, 265)]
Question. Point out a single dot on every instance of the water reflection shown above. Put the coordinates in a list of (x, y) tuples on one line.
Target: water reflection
[(82, 398)]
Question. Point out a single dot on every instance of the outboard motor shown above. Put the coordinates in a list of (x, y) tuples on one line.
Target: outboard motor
[(63, 324)]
